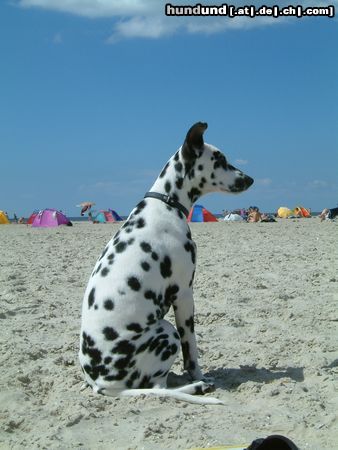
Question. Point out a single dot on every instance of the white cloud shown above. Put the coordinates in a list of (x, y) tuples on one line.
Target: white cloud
[(147, 19), (241, 162), (318, 184), (263, 181), (94, 8)]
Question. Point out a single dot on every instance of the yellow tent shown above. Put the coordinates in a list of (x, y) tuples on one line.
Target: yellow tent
[(284, 212), (3, 218)]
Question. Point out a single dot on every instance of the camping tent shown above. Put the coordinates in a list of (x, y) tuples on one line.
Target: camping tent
[(199, 214), (32, 217), (50, 218), (103, 217), (116, 217), (300, 211), (108, 215), (3, 218)]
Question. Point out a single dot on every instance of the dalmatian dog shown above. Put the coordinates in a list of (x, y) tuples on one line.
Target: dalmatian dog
[(126, 346)]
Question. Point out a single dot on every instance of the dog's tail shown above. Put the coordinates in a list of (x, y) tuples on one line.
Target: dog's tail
[(172, 393), (182, 393)]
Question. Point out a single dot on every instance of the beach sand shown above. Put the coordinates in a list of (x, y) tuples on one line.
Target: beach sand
[(266, 323)]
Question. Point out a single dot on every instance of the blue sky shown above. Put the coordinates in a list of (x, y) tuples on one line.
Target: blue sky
[(97, 95)]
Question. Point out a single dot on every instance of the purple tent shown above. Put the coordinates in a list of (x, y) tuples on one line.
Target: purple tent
[(50, 218)]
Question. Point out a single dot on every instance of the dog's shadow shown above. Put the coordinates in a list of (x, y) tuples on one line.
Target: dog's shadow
[(230, 379)]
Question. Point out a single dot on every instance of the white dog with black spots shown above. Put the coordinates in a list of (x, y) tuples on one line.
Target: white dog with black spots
[(126, 346)]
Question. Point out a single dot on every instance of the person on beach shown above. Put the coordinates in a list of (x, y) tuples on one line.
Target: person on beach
[(253, 214), (327, 214)]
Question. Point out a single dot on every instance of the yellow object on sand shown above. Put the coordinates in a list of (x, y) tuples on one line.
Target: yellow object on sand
[(284, 212), (3, 218)]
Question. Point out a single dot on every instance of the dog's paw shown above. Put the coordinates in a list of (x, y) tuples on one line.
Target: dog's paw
[(204, 388)]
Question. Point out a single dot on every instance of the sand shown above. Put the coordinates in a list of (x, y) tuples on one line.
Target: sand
[(266, 323)]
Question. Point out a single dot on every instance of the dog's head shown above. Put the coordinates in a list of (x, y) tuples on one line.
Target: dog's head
[(207, 165)]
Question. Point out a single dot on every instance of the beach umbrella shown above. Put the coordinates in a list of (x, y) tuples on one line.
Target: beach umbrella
[(85, 207)]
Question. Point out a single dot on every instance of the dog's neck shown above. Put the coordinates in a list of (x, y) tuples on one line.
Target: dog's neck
[(178, 180)]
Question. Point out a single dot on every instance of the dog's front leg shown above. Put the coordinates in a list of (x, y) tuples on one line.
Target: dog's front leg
[(184, 317)]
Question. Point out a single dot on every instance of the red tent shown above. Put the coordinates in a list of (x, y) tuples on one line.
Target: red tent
[(32, 217), (199, 214)]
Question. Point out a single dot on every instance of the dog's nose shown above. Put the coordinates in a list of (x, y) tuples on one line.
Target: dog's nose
[(248, 181)]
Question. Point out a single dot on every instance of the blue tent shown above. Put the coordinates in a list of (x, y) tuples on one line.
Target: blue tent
[(115, 215), (100, 217), (199, 214)]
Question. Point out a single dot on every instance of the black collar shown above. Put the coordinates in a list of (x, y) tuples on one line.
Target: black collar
[(169, 201)]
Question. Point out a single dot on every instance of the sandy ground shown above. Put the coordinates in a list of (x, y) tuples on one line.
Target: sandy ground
[(266, 321)]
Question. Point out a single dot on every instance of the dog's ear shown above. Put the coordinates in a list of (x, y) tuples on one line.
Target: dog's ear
[(194, 141)]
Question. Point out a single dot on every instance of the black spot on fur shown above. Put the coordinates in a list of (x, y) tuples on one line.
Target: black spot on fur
[(120, 247), (140, 223), (145, 383), (108, 304), (95, 368), (164, 170), (167, 186), (124, 347), (134, 284), (104, 272), (190, 323), (200, 167), (110, 334), (130, 241), (111, 257), (121, 374), (186, 355), (122, 363), (165, 355), (145, 247), (220, 161), (154, 255), (181, 331), (193, 194), (165, 267), (150, 295), (91, 297), (104, 252), (134, 327), (145, 266), (140, 207), (107, 360), (178, 167), (192, 279), (179, 183), (98, 268), (170, 295), (151, 319), (189, 247)]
